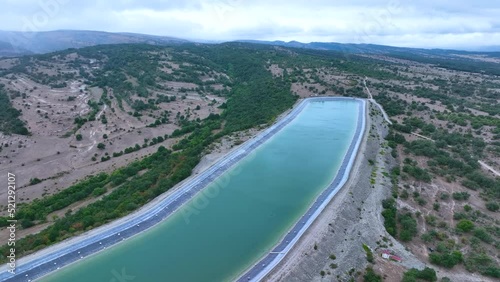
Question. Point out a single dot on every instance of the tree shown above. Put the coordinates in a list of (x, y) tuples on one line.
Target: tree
[(101, 146), (79, 137)]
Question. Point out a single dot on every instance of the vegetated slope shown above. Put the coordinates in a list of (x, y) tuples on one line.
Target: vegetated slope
[(445, 205), (480, 62), (165, 168), (136, 81), (253, 84), (98, 110)]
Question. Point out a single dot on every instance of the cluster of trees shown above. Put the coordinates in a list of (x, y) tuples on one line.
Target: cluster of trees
[(398, 225), (414, 275), (421, 174), (392, 106), (446, 258), (460, 196), (9, 116), (165, 99), (389, 213), (482, 263), (408, 226), (37, 211), (80, 121)]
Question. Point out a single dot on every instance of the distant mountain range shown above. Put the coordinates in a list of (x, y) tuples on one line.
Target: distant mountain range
[(370, 48), (14, 43)]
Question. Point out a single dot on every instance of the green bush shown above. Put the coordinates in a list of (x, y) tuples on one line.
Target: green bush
[(34, 181), (447, 259), (483, 235), (465, 225), (413, 275), (492, 206), (461, 196)]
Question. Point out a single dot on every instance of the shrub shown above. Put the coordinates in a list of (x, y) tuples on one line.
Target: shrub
[(483, 235), (492, 206), (427, 274), (421, 201), (79, 137), (34, 181), (436, 206), (465, 225), (461, 196), (445, 196)]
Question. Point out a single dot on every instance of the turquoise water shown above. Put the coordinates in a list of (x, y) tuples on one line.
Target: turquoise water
[(238, 218)]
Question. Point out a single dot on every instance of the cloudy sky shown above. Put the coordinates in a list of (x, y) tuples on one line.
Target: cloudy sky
[(413, 23)]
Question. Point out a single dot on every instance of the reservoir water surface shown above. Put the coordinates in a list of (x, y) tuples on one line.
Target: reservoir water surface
[(216, 238)]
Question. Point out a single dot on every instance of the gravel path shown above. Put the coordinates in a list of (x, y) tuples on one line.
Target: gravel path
[(381, 109)]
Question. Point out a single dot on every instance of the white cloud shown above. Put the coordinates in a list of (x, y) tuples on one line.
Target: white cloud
[(425, 23)]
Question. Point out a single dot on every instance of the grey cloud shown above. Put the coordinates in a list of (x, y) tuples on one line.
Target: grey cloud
[(368, 21)]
